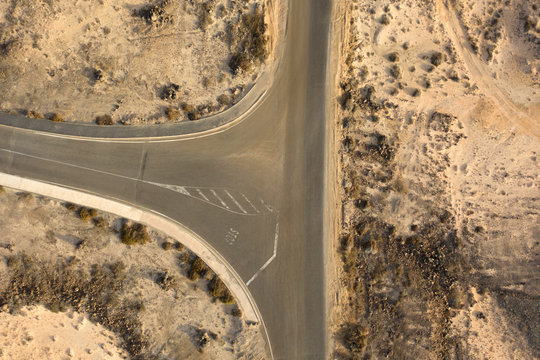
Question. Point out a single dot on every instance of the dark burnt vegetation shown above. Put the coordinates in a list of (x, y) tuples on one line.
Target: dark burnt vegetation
[(63, 285), (248, 41)]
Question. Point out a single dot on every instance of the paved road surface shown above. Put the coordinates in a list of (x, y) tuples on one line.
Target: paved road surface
[(253, 191)]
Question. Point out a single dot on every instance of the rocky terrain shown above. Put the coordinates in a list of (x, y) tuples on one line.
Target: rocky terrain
[(438, 251)]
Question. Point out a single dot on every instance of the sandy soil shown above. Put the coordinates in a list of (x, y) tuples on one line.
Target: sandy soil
[(128, 59), (438, 255), (65, 277)]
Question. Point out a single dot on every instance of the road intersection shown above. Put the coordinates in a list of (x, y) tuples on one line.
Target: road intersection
[(255, 191)]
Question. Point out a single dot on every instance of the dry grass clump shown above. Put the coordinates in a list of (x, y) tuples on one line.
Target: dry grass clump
[(59, 286), (87, 213), (134, 234), (55, 117), (198, 269), (172, 113), (2, 189), (167, 245), (34, 114), (100, 222), (166, 281), (219, 291), (250, 39), (104, 120)]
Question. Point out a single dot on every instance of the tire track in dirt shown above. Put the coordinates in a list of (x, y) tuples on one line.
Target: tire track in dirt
[(480, 73)]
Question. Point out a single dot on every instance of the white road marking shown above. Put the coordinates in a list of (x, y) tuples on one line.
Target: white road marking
[(220, 199), (265, 265), (268, 207), (202, 194), (236, 202), (249, 202), (176, 188)]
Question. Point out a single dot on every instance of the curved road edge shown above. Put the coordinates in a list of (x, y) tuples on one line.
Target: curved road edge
[(157, 221), (276, 11)]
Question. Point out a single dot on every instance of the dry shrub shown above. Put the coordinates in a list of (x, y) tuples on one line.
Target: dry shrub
[(59, 286), (100, 222), (172, 113), (34, 114), (198, 269), (87, 213), (56, 117), (167, 245), (250, 33), (104, 120), (219, 291), (134, 234)]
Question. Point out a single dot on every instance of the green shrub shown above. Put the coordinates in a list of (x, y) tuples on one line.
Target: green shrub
[(134, 234)]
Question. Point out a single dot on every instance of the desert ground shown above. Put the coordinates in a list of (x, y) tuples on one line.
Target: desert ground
[(438, 253), (77, 284), (129, 62)]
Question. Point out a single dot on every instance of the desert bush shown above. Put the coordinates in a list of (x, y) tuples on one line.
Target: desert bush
[(104, 120), (219, 291), (134, 234), (224, 99), (436, 58), (172, 113), (100, 222), (166, 281), (70, 206), (169, 92), (393, 57), (167, 245), (251, 35), (395, 71), (56, 117), (178, 246), (236, 312), (2, 189), (87, 213), (355, 338), (154, 14), (198, 269), (59, 286), (34, 114)]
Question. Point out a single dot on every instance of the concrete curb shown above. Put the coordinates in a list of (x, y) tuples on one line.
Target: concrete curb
[(155, 220)]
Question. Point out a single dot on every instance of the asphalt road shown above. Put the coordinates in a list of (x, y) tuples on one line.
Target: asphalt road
[(252, 192)]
